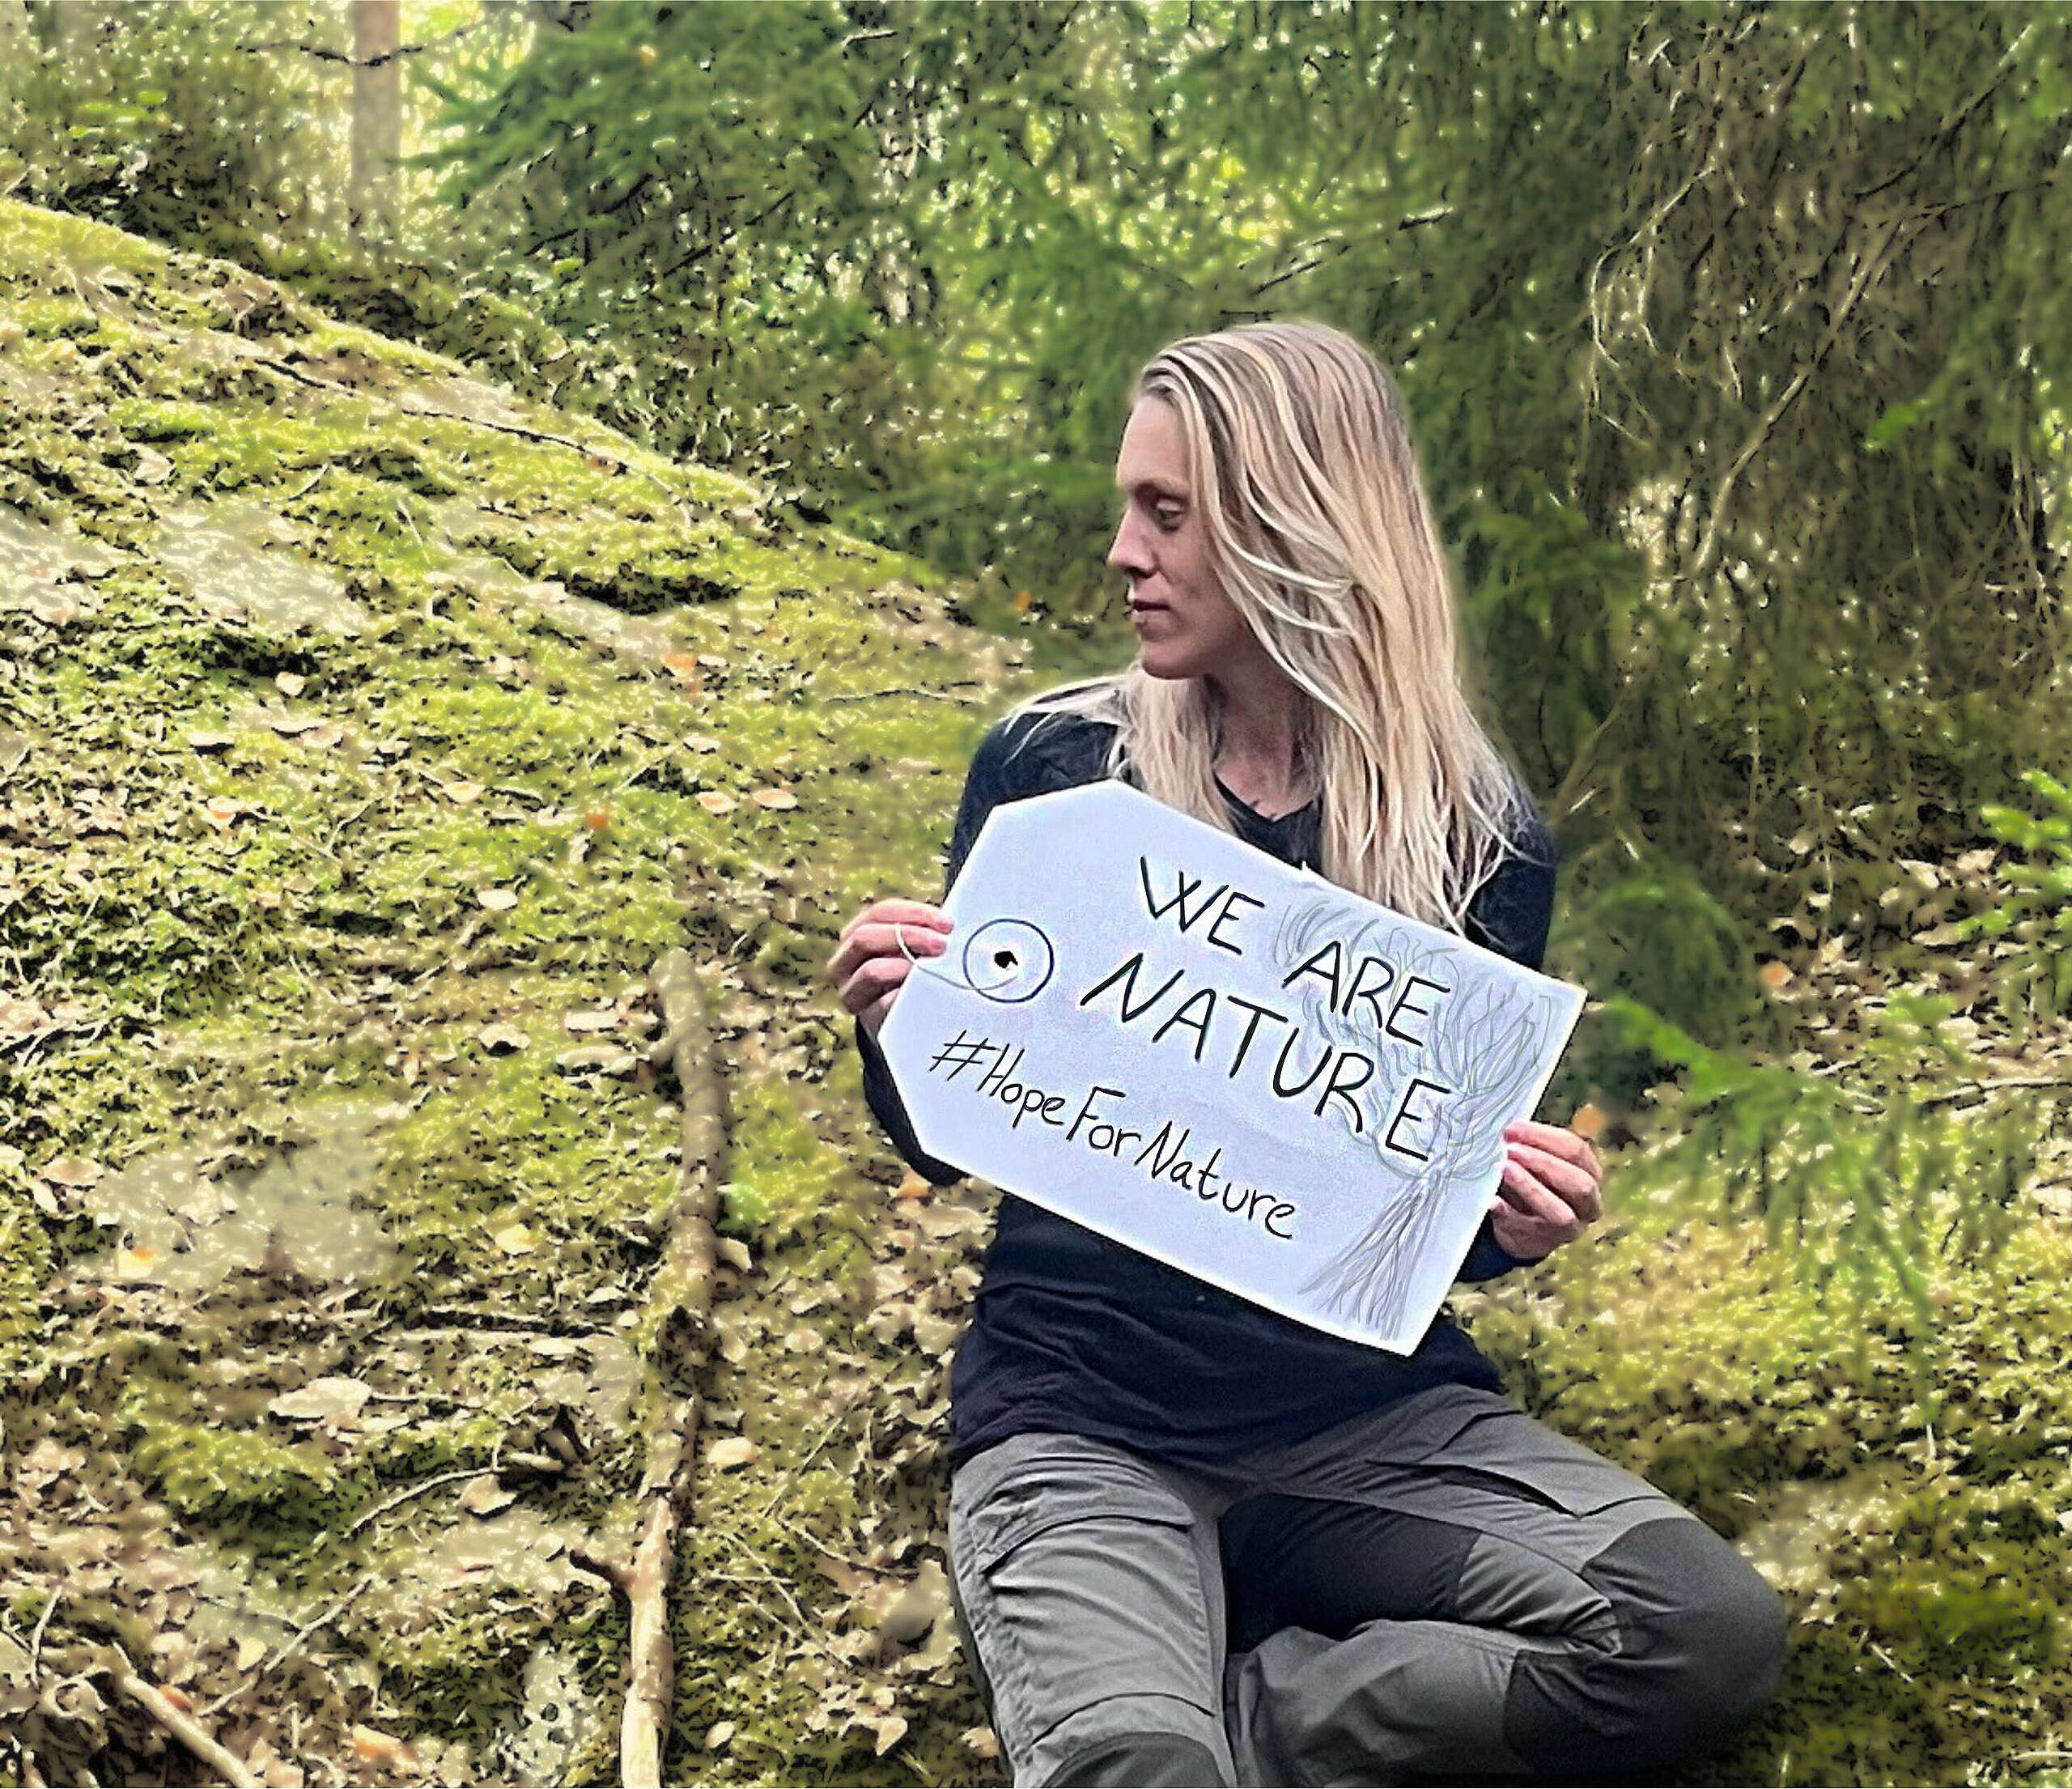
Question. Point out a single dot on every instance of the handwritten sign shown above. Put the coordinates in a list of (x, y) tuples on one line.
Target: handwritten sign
[(1166, 1035)]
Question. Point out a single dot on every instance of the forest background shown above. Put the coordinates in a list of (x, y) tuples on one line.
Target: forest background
[(490, 492)]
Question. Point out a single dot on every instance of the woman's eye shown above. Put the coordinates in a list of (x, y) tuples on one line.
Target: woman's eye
[(1169, 518)]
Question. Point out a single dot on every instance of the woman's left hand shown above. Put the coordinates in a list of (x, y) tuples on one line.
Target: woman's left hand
[(1551, 1190)]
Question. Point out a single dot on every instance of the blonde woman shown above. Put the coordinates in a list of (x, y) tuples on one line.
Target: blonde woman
[(1193, 1541)]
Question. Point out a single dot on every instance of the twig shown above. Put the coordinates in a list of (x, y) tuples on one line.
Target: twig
[(324, 53), (289, 1647), (1975, 1090), (765, 1574), (931, 695), (186, 1729), (682, 1294), (791, 1472), (418, 1489), (42, 1622)]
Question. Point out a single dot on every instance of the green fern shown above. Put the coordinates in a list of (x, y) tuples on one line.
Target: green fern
[(2034, 976)]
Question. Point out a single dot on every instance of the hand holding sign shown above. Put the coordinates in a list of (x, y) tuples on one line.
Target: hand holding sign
[(1173, 1039), (873, 954)]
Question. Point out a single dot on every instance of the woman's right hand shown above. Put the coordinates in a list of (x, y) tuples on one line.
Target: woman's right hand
[(869, 966)]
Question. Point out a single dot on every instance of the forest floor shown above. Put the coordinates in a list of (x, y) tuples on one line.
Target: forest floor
[(365, 735)]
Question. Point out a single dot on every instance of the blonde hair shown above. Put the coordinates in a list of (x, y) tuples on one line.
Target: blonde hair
[(1321, 533)]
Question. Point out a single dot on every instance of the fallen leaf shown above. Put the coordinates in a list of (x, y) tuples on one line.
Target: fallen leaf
[(498, 900), (1589, 1123), (721, 1733), (714, 801), (210, 741), (1775, 976), (597, 818), (484, 1496), (935, 1334), (918, 1607), (734, 1251), (891, 1729), (502, 1039), (223, 811), (372, 1746), (152, 467), (72, 1171), (607, 1057), (461, 791), (593, 1019), (288, 725), (723, 1457), (516, 1239), (289, 683), (322, 1398), (775, 798), (982, 1741)]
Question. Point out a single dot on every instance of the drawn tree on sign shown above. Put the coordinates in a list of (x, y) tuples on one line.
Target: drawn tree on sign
[(1485, 1050)]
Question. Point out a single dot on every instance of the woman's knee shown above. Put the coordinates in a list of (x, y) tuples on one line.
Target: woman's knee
[(1701, 1647), (1131, 1739)]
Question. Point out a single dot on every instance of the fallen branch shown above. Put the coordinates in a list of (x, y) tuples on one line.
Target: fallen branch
[(681, 1294), (1975, 1092), (324, 53), (183, 1728), (931, 695), (418, 1489)]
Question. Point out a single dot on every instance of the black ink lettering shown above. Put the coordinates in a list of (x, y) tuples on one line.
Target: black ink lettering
[(1402, 1111), (1184, 885), (1343, 1090), (1203, 997), (1223, 943), (1288, 1044), (1245, 1043), (990, 1081), (1086, 1112), (1422, 1012), (1372, 995), (1309, 967), (1126, 973)]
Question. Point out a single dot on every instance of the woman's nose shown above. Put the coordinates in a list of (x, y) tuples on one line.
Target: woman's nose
[(1125, 552)]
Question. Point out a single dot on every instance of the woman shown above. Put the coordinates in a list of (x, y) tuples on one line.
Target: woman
[(1194, 1541)]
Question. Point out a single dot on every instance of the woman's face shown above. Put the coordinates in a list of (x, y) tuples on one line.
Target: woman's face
[(1186, 626)]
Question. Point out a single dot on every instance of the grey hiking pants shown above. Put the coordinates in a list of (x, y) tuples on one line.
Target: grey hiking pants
[(1443, 1587)]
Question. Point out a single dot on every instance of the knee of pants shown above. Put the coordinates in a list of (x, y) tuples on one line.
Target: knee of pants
[(1702, 1642), (1131, 1739)]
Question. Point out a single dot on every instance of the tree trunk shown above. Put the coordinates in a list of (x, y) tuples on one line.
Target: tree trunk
[(377, 118)]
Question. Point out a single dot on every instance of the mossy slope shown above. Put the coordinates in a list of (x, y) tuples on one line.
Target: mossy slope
[(369, 732)]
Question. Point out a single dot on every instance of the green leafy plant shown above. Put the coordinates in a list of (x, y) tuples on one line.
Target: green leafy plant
[(2034, 968), (1873, 1191)]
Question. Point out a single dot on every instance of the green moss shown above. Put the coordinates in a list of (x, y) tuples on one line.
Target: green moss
[(239, 1477), (1899, 1486), (25, 1262), (159, 419)]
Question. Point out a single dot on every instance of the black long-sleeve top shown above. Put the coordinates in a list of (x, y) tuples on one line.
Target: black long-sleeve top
[(1073, 1331)]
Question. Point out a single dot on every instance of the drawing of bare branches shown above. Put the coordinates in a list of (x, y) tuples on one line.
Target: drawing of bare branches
[(1483, 1043)]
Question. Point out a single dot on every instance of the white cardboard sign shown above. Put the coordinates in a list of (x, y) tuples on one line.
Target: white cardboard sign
[(1169, 1036)]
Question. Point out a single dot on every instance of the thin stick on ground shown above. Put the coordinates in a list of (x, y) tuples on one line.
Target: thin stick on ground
[(183, 1728), (681, 1296)]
